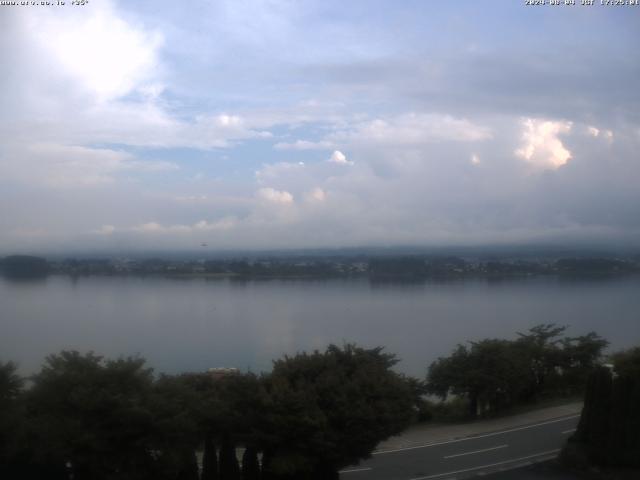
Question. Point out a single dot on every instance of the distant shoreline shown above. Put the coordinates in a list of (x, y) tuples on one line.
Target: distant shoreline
[(415, 268)]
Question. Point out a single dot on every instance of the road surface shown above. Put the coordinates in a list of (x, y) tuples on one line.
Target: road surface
[(467, 457)]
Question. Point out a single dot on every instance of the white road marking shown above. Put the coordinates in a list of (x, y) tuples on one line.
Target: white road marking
[(353, 470), (568, 431), (541, 454), (493, 434), (477, 451)]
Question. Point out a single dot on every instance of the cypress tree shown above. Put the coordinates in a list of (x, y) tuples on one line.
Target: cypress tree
[(609, 428), (266, 473), (250, 465), (594, 426), (623, 446), (209, 459), (229, 468), (189, 466)]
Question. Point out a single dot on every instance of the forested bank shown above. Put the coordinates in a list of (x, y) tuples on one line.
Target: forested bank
[(313, 414), (381, 268), (94, 418)]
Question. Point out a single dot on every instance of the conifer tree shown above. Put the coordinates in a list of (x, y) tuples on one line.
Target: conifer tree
[(229, 468), (209, 459), (250, 465)]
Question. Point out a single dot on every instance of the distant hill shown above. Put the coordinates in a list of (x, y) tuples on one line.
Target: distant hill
[(24, 266)]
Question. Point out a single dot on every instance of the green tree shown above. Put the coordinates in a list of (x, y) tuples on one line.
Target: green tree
[(11, 420), (581, 355), (627, 363), (209, 459), (177, 430), (250, 464), (609, 429), (91, 414), (329, 410), (228, 410), (541, 347), (488, 375), (493, 374), (229, 468)]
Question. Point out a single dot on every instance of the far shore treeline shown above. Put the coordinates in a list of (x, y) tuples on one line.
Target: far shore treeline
[(312, 415), (377, 267)]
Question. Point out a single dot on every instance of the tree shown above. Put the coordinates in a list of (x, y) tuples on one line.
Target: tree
[(489, 375), (541, 347), (581, 355), (177, 430), (608, 433), (250, 464), (209, 459), (229, 412), (24, 266), (493, 374), (11, 420), (448, 375), (229, 468), (627, 363), (329, 410), (91, 414), (10, 385)]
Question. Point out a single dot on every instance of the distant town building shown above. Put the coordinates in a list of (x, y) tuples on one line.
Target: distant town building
[(220, 372)]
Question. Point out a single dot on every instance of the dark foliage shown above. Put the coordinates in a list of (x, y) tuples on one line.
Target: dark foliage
[(12, 433), (229, 468), (331, 409), (609, 430), (24, 266), (495, 374), (250, 464), (209, 459)]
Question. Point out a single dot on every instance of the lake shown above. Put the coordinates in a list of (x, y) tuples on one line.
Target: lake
[(194, 324)]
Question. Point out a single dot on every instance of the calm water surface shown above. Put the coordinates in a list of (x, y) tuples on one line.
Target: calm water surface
[(195, 324)]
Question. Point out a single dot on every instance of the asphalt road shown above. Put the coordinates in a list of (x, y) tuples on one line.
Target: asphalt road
[(467, 457)]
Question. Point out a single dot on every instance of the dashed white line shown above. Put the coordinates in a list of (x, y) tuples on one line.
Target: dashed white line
[(493, 434), (476, 451), (568, 431), (353, 470), (541, 454)]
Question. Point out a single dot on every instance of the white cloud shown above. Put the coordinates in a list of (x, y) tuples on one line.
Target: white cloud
[(304, 145), (596, 132), (108, 72), (275, 171), (64, 166), (223, 224), (121, 74), (316, 195), (405, 130), (608, 134), (272, 195), (414, 129), (340, 158), (105, 230), (156, 228), (542, 146), (102, 52)]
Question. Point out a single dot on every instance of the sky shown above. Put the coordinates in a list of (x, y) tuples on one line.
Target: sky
[(246, 124)]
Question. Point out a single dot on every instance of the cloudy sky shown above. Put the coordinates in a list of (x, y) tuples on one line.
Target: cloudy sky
[(284, 123)]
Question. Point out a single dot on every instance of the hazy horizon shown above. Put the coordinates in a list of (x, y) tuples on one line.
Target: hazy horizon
[(261, 125)]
